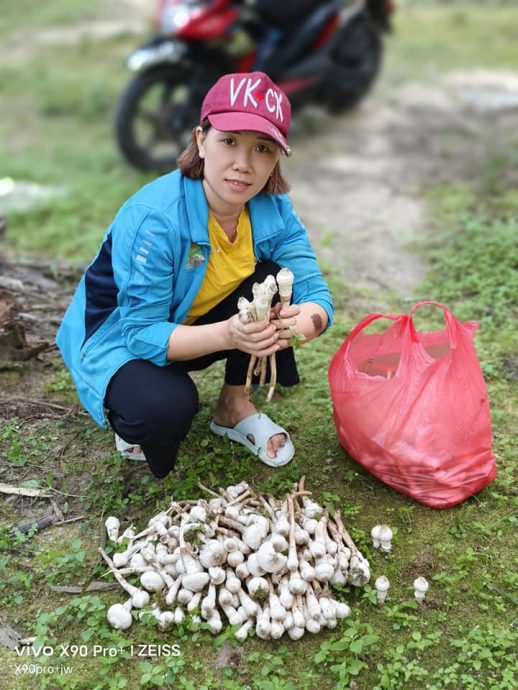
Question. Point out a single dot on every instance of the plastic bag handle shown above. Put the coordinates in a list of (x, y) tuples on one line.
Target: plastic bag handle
[(450, 320), (368, 320), (363, 324)]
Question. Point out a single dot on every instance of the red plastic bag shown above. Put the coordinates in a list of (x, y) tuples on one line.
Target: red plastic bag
[(413, 409)]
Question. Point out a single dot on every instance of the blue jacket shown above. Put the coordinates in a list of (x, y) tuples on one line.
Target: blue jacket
[(149, 268)]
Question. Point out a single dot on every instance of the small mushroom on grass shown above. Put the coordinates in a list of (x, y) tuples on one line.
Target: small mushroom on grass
[(382, 537), (112, 525), (420, 589), (382, 586)]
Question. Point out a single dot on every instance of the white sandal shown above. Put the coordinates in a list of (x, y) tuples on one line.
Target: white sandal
[(126, 449), (253, 432)]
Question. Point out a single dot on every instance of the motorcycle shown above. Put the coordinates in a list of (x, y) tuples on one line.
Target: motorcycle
[(331, 56)]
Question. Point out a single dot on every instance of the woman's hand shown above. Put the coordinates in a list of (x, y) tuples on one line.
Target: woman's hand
[(284, 318), (258, 338)]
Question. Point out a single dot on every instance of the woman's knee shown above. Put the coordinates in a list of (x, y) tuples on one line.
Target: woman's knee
[(171, 414), (152, 404)]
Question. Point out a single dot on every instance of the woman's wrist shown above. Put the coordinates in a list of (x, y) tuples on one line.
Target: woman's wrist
[(190, 342)]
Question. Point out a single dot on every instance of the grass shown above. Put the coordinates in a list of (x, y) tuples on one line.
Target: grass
[(57, 12), (56, 128), (439, 37)]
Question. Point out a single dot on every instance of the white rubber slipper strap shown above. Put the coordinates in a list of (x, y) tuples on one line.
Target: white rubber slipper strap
[(261, 427), (253, 432)]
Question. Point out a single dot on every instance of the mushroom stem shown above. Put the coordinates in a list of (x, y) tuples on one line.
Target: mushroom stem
[(293, 561), (242, 497), (273, 376), (346, 537), (296, 494), (268, 508), (262, 376), (209, 491), (170, 597), (138, 597), (232, 524), (250, 372)]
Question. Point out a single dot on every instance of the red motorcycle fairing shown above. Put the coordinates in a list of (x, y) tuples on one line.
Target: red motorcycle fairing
[(294, 85), (247, 62), (208, 21), (327, 33), (213, 23)]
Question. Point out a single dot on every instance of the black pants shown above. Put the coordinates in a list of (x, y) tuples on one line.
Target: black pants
[(154, 406)]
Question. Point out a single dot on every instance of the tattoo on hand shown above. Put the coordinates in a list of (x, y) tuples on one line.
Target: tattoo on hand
[(318, 323)]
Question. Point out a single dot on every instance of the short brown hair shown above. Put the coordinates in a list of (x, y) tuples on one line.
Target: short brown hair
[(191, 165)]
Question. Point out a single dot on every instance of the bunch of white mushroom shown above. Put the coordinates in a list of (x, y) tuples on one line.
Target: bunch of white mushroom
[(259, 310), (239, 558)]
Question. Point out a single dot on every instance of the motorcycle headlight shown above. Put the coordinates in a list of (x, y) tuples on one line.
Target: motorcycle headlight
[(175, 14)]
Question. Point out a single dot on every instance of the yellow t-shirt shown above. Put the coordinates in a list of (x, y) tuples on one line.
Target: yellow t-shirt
[(229, 264)]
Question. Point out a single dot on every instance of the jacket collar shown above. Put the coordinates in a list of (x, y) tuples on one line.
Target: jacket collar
[(264, 215), (197, 210)]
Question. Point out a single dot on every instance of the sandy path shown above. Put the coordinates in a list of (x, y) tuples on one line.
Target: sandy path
[(359, 180)]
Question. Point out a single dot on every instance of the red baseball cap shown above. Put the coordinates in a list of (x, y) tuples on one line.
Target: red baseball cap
[(248, 101)]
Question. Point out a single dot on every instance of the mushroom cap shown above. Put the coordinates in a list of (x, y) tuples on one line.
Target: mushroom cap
[(284, 278), (112, 525), (112, 520), (212, 553), (375, 531), (385, 533), (382, 583), (140, 598), (296, 633), (120, 560), (217, 575), (195, 582), (342, 610), (119, 617), (152, 581), (198, 513), (421, 584)]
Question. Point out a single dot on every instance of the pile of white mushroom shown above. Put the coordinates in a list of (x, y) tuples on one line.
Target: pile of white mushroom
[(239, 558), (259, 310)]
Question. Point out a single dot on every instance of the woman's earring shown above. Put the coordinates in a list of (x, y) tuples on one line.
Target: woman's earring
[(201, 153)]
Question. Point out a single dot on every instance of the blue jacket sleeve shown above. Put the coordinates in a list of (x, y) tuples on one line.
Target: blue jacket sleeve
[(294, 251), (143, 261)]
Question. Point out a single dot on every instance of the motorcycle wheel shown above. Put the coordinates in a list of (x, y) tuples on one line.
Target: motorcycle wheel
[(357, 58), (156, 115)]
